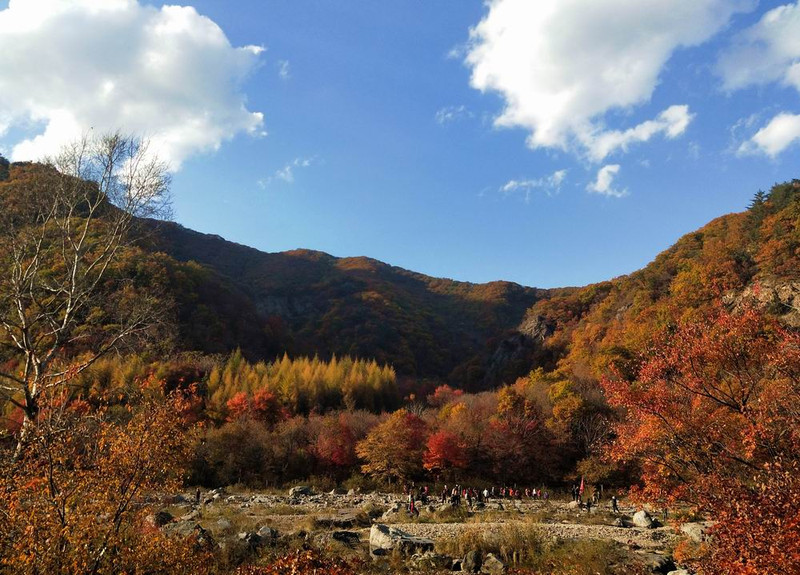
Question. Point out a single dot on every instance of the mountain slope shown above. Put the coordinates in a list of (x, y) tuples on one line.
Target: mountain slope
[(748, 256), (314, 303)]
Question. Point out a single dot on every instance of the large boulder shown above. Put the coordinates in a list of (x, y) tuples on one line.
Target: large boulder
[(472, 562), (643, 519), (384, 539), (300, 490), (493, 565), (679, 572)]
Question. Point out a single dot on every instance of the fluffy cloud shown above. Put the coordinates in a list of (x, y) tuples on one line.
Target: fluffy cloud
[(562, 65), (169, 74), (780, 133), (768, 51), (550, 184), (672, 122), (604, 184)]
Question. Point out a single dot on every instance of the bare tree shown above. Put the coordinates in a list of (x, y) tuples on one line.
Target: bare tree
[(63, 226)]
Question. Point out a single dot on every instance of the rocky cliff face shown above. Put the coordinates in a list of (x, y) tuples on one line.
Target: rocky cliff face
[(779, 297)]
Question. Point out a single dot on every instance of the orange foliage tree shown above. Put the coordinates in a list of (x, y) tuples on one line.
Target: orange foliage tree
[(76, 501), (394, 448), (713, 419)]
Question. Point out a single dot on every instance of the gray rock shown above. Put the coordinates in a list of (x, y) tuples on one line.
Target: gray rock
[(267, 533), (223, 524), (695, 531), (300, 490), (657, 563), (472, 562), (429, 561), (185, 529), (491, 564), (393, 511), (620, 522), (384, 539), (643, 519), (679, 572), (252, 539)]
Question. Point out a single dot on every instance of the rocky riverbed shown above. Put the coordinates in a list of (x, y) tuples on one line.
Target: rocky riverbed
[(376, 526)]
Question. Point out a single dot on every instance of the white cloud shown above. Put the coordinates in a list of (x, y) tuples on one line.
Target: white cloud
[(604, 184), (562, 65), (768, 51), (166, 73), (551, 185), (780, 133), (672, 122), (284, 69), (452, 113), (287, 172)]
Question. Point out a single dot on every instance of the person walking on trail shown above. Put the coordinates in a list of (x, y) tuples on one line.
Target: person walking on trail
[(614, 507)]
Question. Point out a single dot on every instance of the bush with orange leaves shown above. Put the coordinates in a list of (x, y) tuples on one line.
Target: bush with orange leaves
[(76, 501), (713, 419), (300, 563)]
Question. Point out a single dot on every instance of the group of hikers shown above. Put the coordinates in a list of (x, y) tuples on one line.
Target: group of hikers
[(470, 496)]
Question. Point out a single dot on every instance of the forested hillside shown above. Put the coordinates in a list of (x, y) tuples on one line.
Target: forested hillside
[(306, 303), (736, 257)]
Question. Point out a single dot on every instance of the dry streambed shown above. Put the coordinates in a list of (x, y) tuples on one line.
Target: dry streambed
[(345, 522)]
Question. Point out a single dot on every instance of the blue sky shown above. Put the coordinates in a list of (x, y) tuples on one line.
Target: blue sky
[(560, 143)]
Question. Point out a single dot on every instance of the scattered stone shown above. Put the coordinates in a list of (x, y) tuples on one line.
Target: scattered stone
[(300, 490), (620, 522), (573, 505), (384, 539), (472, 562), (491, 564), (643, 519), (429, 561), (679, 572)]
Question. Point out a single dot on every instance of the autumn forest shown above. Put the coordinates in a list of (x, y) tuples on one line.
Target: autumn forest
[(139, 358)]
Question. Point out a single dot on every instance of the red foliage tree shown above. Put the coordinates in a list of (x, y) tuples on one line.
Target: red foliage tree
[(713, 420), (445, 453)]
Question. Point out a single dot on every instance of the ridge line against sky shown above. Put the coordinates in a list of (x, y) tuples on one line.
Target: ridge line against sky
[(560, 142)]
